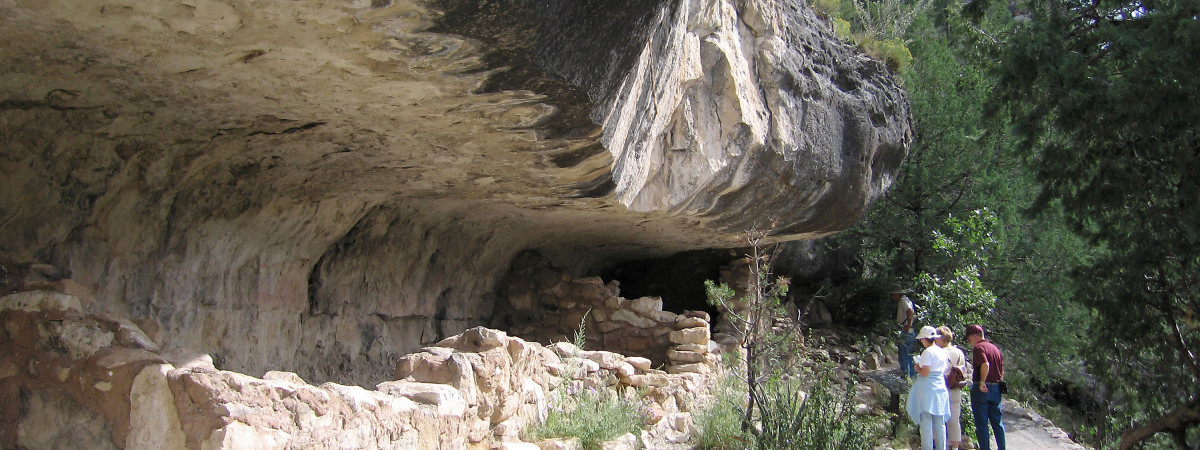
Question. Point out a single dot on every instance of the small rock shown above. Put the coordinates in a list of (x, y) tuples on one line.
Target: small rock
[(560, 444), (625, 442)]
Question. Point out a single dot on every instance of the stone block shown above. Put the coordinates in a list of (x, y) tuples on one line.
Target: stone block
[(700, 368), (682, 322), (80, 338), (664, 317), (606, 360), (659, 380), (565, 349), (479, 339), (286, 377), (130, 335), (871, 361), (625, 370), (639, 362), (646, 305), (632, 318), (675, 428), (702, 315), (698, 348), (615, 303), (690, 336), (588, 366), (122, 356), (684, 357), (608, 327), (238, 435)]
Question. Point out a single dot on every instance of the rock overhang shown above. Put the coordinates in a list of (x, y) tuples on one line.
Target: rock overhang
[(383, 162)]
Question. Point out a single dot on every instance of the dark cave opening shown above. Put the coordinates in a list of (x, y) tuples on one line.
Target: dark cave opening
[(678, 279)]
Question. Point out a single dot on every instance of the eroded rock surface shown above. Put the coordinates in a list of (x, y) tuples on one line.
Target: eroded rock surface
[(321, 187)]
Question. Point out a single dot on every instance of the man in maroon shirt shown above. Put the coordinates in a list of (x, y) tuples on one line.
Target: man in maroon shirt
[(988, 363)]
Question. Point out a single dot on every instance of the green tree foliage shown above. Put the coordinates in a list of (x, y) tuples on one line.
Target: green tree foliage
[(959, 297), (1101, 96), (945, 165), (954, 223)]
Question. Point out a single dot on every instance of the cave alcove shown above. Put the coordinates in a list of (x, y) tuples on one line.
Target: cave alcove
[(677, 279)]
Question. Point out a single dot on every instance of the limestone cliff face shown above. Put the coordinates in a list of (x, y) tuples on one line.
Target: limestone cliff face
[(321, 187), (743, 113)]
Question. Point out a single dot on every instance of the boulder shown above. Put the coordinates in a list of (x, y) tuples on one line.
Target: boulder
[(153, 420)]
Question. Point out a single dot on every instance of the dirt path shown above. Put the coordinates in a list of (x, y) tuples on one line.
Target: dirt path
[(1024, 428), (1027, 430)]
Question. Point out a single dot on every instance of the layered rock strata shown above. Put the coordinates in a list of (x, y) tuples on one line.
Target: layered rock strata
[(321, 187)]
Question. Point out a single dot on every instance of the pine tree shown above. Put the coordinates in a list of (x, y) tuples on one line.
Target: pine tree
[(1101, 96)]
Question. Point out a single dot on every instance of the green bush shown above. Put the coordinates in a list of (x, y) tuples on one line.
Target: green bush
[(591, 415), (719, 422), (827, 8), (822, 419), (893, 52), (586, 413), (788, 417), (841, 27)]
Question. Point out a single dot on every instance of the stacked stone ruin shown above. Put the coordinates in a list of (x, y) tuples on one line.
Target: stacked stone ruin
[(549, 307), (75, 375)]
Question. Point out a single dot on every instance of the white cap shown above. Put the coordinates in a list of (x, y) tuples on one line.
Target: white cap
[(928, 332)]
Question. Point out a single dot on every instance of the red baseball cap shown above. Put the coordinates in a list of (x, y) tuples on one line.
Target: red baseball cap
[(974, 329)]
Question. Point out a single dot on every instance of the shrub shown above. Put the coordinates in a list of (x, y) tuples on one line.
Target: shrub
[(827, 8), (820, 419), (892, 52), (591, 415), (787, 417), (719, 421)]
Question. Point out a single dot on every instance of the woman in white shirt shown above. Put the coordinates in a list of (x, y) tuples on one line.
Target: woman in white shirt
[(929, 401), (957, 359)]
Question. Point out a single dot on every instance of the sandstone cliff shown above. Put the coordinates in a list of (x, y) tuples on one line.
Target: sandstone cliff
[(321, 187)]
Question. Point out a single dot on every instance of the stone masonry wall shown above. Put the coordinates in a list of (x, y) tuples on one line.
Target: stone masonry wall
[(546, 306), (69, 366)]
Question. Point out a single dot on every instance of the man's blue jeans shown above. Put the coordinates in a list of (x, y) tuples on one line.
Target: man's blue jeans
[(985, 406), (906, 361)]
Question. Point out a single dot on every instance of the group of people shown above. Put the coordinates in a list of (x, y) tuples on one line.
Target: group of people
[(934, 405)]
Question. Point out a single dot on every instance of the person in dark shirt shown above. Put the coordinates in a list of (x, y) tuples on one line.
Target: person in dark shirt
[(988, 364), (905, 314)]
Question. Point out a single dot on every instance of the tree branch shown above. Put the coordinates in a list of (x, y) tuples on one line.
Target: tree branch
[(1180, 419)]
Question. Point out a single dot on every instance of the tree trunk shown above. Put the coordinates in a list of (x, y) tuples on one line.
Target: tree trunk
[(1180, 419)]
